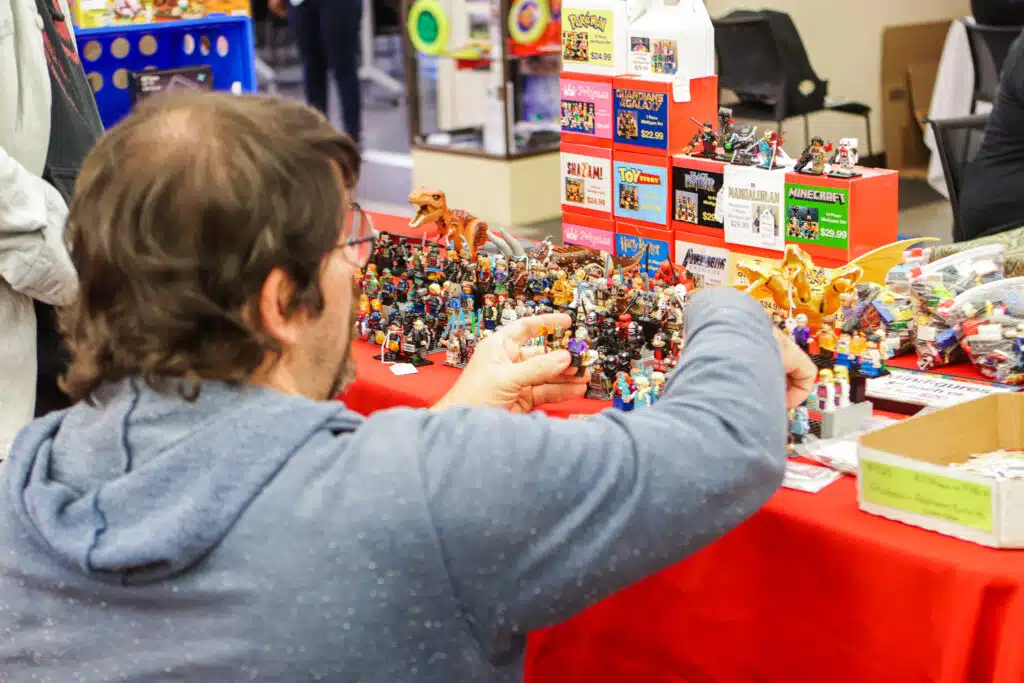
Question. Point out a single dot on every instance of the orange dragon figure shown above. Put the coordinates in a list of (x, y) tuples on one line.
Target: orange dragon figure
[(463, 230)]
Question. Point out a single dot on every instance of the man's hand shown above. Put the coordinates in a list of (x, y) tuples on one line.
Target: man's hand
[(278, 7), (503, 373), (801, 372)]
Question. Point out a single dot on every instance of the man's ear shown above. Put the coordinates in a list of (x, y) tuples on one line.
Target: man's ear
[(275, 295)]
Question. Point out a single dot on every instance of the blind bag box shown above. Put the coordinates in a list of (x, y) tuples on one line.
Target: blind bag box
[(595, 34), (648, 120), (642, 188), (589, 232), (586, 109), (586, 180)]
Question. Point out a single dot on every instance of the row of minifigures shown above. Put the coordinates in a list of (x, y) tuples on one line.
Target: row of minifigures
[(738, 144), (637, 389)]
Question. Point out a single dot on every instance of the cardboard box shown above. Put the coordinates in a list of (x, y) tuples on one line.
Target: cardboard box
[(631, 237), (910, 62), (903, 472), (705, 258), (587, 231), (586, 180), (649, 121), (696, 183), (95, 13), (642, 185), (842, 218), (587, 109)]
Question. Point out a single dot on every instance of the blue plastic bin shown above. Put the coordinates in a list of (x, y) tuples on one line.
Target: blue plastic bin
[(111, 52)]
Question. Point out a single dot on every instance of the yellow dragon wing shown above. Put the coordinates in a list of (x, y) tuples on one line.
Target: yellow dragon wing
[(877, 263)]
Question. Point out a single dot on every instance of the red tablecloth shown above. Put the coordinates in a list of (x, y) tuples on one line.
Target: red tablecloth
[(809, 590)]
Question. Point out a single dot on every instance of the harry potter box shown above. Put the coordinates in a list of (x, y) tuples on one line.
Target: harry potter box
[(641, 189), (632, 239), (586, 109), (586, 180), (649, 121)]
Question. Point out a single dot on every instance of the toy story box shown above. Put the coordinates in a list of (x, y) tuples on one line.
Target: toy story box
[(587, 231), (641, 189), (649, 121), (841, 218), (696, 184), (632, 238), (586, 109), (586, 180), (96, 13)]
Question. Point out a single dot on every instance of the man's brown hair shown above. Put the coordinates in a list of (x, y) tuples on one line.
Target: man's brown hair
[(179, 215)]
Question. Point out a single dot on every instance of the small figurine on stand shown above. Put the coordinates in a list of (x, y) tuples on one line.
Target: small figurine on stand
[(844, 159), (420, 343), (844, 356), (802, 333), (768, 148), (799, 424), (391, 347), (642, 397), (622, 396), (842, 378), (704, 143), (578, 347), (657, 384), (825, 391), (814, 158)]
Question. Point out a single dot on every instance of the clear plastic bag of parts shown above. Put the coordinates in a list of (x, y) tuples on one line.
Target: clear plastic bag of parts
[(989, 323), (933, 289)]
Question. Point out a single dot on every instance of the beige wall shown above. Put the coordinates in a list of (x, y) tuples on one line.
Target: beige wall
[(844, 42)]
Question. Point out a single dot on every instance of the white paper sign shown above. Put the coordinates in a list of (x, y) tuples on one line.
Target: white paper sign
[(753, 207), (404, 369), (587, 182), (810, 478), (927, 389), (710, 263)]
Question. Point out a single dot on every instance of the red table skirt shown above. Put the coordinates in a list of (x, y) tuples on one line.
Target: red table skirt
[(808, 590)]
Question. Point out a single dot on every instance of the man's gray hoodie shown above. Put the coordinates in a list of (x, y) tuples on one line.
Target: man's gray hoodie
[(252, 535)]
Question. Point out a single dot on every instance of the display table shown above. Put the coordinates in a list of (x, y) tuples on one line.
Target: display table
[(810, 589)]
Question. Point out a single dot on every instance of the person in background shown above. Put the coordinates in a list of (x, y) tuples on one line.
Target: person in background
[(990, 198), (206, 512), (327, 34), (998, 12), (48, 121)]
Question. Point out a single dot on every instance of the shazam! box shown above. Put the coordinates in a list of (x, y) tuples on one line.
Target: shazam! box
[(649, 121)]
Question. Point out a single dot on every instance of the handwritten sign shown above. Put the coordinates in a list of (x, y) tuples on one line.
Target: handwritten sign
[(954, 500), (927, 389)]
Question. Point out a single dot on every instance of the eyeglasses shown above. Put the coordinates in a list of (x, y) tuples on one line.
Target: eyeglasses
[(362, 237)]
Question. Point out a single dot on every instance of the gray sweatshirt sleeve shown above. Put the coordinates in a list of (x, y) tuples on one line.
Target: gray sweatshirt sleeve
[(538, 518)]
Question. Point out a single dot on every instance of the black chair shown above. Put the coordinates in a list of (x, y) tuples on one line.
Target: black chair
[(989, 47), (762, 59), (957, 142)]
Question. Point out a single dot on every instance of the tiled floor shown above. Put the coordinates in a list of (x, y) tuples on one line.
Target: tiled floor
[(387, 176)]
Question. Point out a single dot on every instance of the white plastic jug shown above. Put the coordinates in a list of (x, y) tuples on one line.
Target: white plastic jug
[(673, 41)]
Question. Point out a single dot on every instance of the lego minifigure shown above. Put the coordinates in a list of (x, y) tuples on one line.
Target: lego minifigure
[(814, 158), (578, 346), (802, 333), (623, 393), (642, 396), (843, 354), (420, 343), (825, 391), (768, 150), (844, 159), (871, 363), (490, 312), (657, 384), (704, 143), (858, 344), (391, 347), (799, 424), (842, 380)]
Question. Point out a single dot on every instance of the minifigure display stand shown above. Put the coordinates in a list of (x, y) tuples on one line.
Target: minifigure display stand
[(507, 192)]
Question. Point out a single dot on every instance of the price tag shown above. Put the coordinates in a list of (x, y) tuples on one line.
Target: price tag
[(404, 369)]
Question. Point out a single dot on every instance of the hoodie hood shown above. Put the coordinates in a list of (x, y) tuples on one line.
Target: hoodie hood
[(141, 486)]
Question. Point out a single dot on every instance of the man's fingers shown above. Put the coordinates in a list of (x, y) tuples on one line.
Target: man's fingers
[(555, 393), (540, 369), (532, 326)]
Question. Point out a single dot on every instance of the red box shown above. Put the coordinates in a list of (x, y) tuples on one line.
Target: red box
[(587, 112), (641, 189), (696, 183), (854, 215), (586, 180), (649, 121), (631, 237)]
